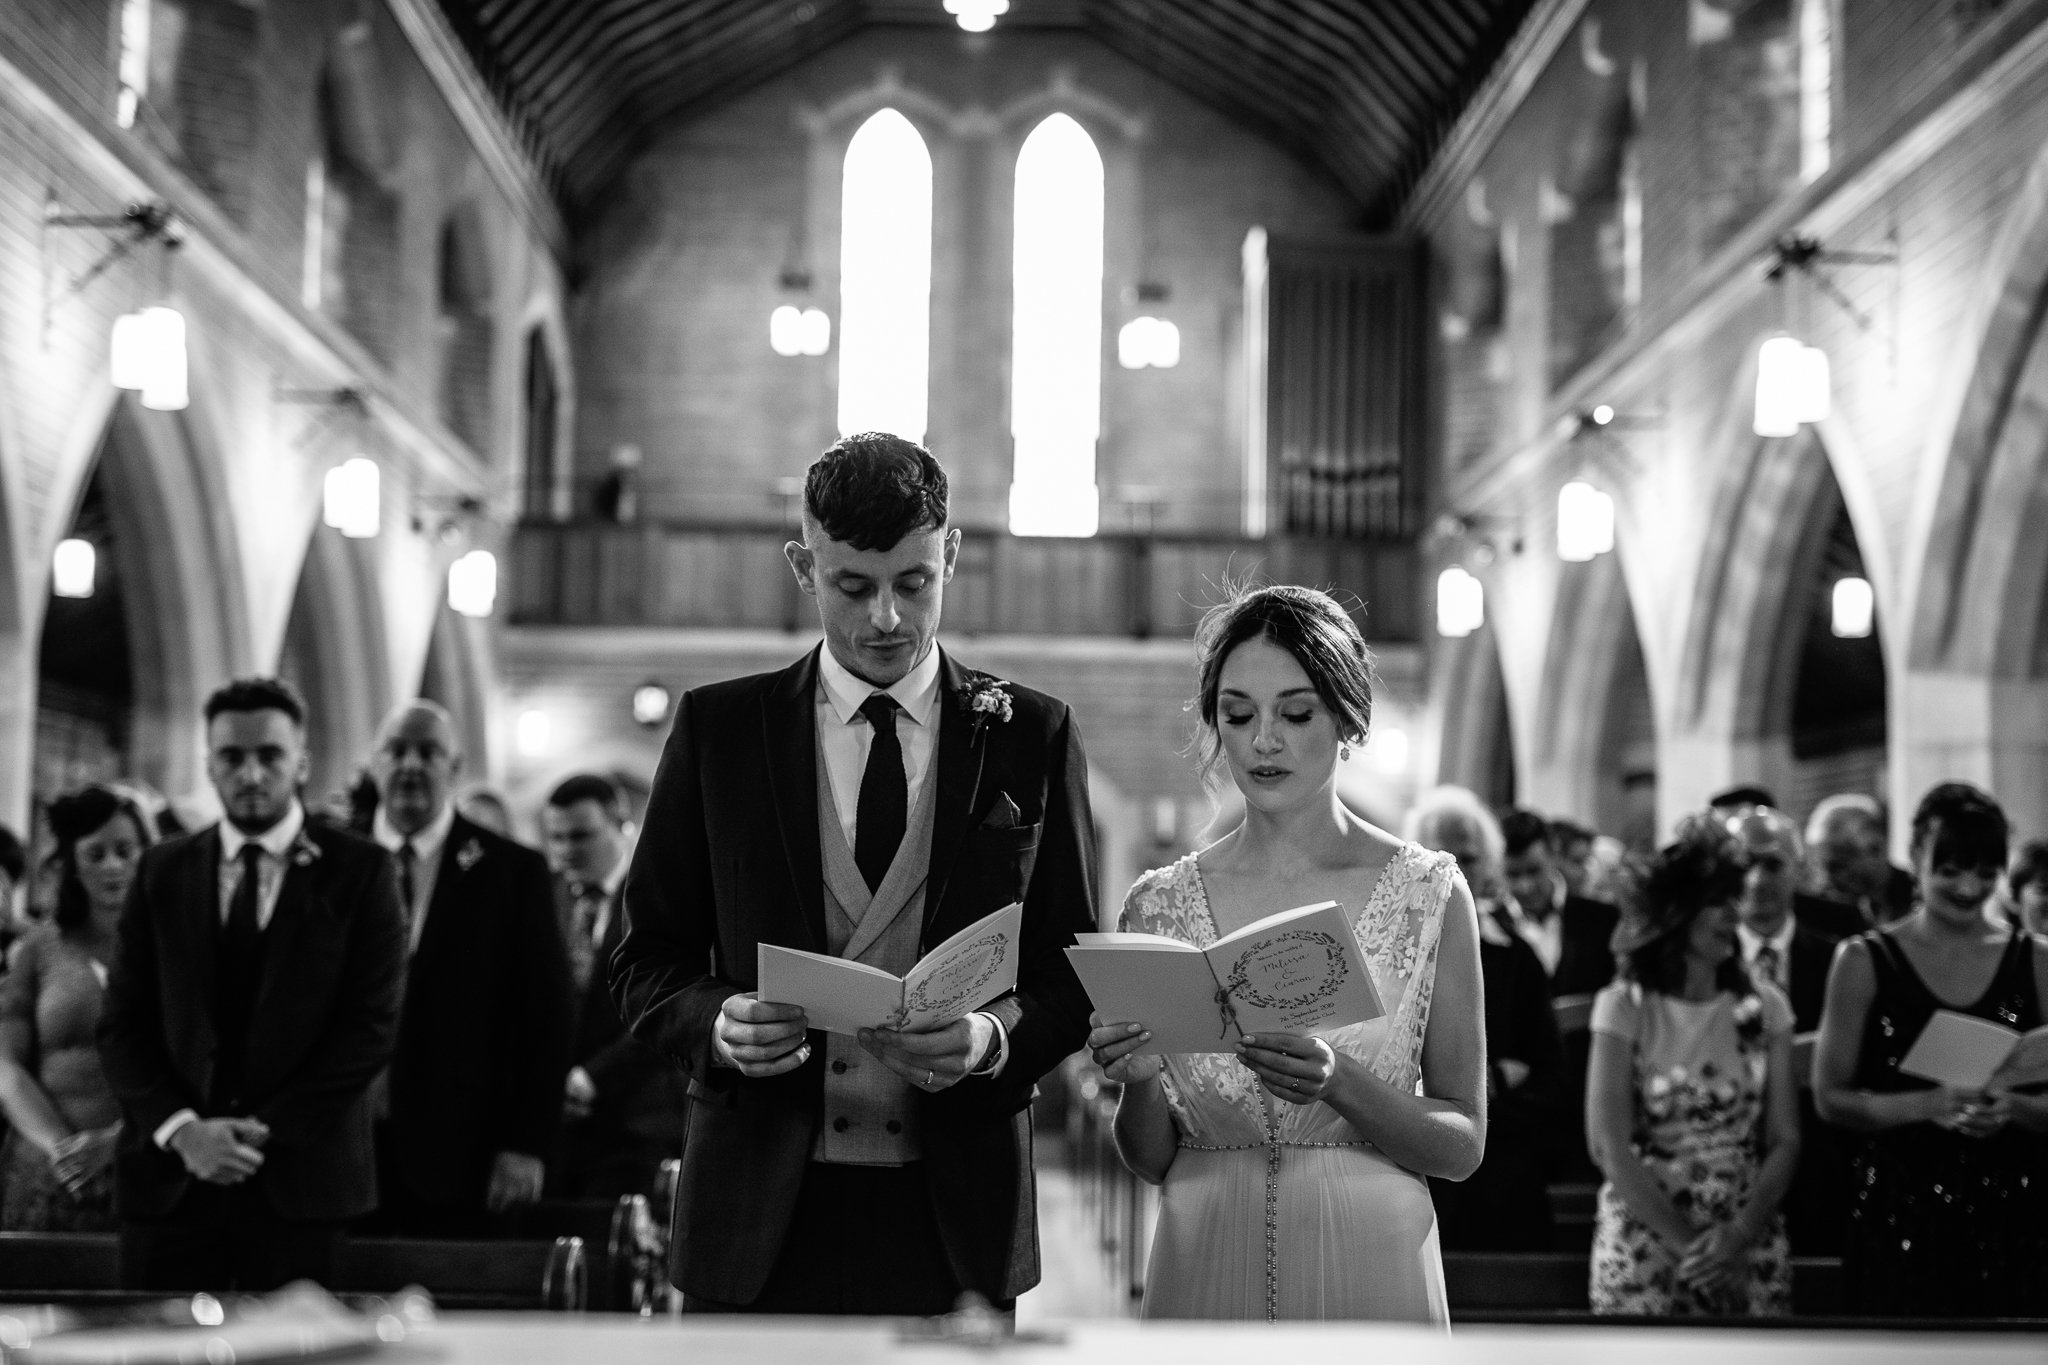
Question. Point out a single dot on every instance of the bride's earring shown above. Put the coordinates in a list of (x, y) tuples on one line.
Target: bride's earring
[(1343, 753)]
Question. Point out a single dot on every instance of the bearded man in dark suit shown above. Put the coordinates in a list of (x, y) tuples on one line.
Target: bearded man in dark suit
[(474, 1091), (252, 1000), (868, 801)]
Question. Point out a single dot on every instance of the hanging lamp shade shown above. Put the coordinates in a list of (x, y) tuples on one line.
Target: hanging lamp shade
[(1460, 603), (1779, 370), (1585, 522), (146, 351), (1812, 396), (73, 568), (352, 498), (473, 583), (1854, 609)]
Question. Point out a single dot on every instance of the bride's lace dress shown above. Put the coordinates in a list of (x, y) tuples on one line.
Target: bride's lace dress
[(1274, 1210)]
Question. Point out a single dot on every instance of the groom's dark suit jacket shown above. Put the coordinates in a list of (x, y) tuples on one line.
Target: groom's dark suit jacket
[(729, 859), (326, 1015)]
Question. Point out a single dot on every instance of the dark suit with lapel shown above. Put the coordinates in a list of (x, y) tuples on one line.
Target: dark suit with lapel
[(1587, 960), (1817, 1206), (325, 1017), (483, 1043), (1832, 920), (729, 859), (637, 1120), (1505, 1204)]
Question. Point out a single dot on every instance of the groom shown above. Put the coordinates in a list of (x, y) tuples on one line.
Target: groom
[(868, 801)]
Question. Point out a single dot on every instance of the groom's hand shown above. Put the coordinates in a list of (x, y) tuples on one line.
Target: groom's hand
[(759, 1037), (932, 1061)]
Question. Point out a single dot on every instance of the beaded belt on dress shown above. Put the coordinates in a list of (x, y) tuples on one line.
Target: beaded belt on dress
[(1262, 1146)]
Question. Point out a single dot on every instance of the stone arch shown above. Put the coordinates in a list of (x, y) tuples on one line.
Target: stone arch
[(457, 675), (1475, 746), (17, 645), (1974, 699), (335, 652), (186, 608), (1596, 751)]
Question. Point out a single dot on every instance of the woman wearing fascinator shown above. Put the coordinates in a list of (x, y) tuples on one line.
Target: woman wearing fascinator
[(1294, 1169), (1692, 1109)]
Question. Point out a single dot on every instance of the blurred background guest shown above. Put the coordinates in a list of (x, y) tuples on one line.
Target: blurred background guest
[(1505, 1204), (1774, 860), (486, 809), (1691, 1110), (623, 1104), (1847, 862), (1947, 1213), (57, 1162), (1571, 844), (474, 1092), (2026, 884), (1572, 935), (13, 874), (1740, 800)]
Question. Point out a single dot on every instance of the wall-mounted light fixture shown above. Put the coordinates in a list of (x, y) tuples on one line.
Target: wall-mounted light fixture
[(650, 704), (73, 568), (1460, 603), (793, 330), (1793, 384), (1148, 341), (473, 584), (1585, 522), (146, 349), (1853, 609)]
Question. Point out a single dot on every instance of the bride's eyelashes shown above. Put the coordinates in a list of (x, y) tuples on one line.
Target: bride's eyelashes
[(1291, 717)]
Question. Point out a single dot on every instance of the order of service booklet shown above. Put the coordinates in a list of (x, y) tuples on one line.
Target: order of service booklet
[(1295, 972), (1963, 1051), (950, 982)]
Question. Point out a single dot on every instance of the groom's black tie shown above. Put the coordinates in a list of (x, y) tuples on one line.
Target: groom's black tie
[(884, 794)]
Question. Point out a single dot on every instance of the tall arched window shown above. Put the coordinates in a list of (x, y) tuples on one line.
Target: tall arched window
[(1056, 332), (885, 279)]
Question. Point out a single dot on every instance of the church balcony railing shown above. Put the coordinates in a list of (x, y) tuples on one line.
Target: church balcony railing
[(672, 574)]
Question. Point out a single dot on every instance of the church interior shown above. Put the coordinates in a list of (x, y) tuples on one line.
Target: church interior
[(1660, 383)]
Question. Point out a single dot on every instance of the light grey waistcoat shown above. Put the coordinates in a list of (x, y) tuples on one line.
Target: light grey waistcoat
[(877, 1108)]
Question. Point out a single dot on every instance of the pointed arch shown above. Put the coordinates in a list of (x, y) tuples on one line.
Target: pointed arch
[(335, 652), (1056, 330), (885, 279)]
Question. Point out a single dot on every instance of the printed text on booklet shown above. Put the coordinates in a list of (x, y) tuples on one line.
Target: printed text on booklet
[(950, 982), (1295, 972)]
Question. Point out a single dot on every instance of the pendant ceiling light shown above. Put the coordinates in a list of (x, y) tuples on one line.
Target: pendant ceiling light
[(1854, 609), (473, 583), (352, 501), (1460, 603), (1585, 522)]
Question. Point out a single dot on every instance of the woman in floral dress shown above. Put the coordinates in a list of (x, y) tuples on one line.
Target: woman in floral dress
[(1293, 1169), (1691, 1105)]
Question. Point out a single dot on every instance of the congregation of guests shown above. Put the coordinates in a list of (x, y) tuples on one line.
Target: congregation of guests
[(469, 1054), (383, 1013)]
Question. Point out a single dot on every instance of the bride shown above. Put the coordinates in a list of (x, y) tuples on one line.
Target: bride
[(1293, 1170)]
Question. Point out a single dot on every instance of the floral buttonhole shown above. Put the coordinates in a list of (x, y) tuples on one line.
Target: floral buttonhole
[(985, 701)]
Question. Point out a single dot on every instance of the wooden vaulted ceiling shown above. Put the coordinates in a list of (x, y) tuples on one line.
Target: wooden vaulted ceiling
[(1363, 89)]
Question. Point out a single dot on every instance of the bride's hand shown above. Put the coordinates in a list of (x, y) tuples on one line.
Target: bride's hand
[(1114, 1048), (1298, 1070)]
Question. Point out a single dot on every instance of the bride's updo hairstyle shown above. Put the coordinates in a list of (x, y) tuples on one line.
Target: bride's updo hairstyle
[(1309, 625)]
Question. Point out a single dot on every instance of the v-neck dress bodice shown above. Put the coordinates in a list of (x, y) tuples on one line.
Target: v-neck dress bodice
[(1276, 1210)]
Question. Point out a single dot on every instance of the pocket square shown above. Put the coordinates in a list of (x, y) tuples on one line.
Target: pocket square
[(1003, 814)]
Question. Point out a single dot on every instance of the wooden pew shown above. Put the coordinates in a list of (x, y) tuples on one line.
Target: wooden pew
[(629, 1267), (85, 1268)]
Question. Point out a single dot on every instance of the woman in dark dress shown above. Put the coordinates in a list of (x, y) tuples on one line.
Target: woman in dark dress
[(1945, 1215), (56, 1163)]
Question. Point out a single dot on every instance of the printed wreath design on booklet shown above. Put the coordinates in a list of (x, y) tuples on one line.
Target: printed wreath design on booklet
[(918, 1000), (1321, 986)]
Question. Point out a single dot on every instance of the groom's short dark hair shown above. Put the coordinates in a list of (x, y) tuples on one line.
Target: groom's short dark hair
[(872, 489)]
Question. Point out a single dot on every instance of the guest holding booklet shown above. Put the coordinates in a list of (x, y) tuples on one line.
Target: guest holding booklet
[(1946, 1216), (1294, 1166)]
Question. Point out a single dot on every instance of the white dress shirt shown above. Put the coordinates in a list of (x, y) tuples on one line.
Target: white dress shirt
[(845, 735), (427, 846), (1753, 942), (276, 843), (1545, 936)]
